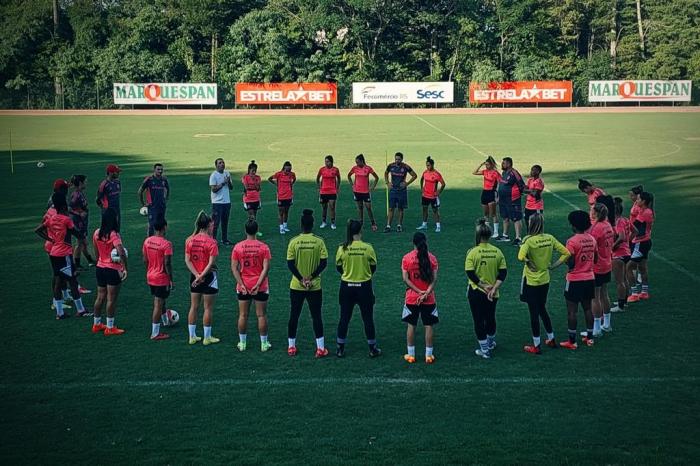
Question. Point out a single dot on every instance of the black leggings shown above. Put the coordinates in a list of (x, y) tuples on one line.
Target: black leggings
[(315, 300), (536, 299), (349, 295), (483, 313)]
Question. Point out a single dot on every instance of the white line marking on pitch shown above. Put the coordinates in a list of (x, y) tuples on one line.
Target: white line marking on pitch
[(349, 381), (663, 259), (208, 135)]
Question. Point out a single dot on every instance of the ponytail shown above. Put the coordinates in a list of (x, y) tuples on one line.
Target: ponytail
[(252, 166), (483, 231), (202, 222), (425, 268), (601, 211), (637, 190), (536, 224), (429, 160), (354, 228), (648, 199), (110, 223)]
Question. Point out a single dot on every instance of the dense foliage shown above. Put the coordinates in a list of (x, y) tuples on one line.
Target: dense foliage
[(71, 58)]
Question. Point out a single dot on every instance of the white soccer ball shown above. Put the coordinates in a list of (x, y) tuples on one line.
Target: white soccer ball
[(169, 318), (40, 165), (115, 255), (143, 211)]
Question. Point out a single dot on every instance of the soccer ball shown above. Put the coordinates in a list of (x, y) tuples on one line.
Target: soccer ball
[(143, 211), (40, 164), (115, 255), (169, 318)]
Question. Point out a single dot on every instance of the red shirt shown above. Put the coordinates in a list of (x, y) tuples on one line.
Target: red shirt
[(430, 182), (646, 216), (530, 202), (155, 248), (361, 184), (49, 213), (605, 238), (409, 263), (104, 250), (285, 180), (491, 179), (597, 192), (329, 176), (200, 248), (251, 255), (634, 211), (622, 228), (57, 227), (582, 247), (251, 183)]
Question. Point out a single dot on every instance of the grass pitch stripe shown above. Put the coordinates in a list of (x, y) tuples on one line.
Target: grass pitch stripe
[(451, 136)]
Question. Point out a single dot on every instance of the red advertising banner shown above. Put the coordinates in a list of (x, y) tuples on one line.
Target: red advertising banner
[(521, 91), (286, 93)]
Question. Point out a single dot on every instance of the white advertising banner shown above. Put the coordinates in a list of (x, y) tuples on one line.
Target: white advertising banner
[(402, 92), (165, 93), (639, 90)]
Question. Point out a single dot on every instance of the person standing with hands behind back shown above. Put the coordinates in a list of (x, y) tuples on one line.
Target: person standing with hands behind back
[(220, 185)]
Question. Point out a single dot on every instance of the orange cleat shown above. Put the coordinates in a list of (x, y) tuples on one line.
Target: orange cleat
[(551, 343), (429, 359), (644, 295), (98, 328), (568, 345), (160, 336), (633, 298), (588, 341), (532, 349), (321, 353), (292, 351), (113, 331), (409, 359)]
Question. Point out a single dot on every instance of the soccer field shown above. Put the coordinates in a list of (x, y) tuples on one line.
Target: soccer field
[(68, 396)]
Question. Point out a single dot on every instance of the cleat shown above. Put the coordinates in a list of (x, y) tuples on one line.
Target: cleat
[(617, 309), (502, 238), (210, 341), (399, 228), (492, 345), (633, 298), (375, 352), (98, 328), (265, 346), (607, 329), (321, 353), (517, 242), (422, 227), (241, 346), (551, 343), (588, 341), (374, 227), (286, 229), (84, 313), (532, 349), (387, 229), (482, 354), (430, 359), (282, 231), (409, 359), (62, 317), (292, 351), (333, 227), (495, 235), (323, 225), (568, 345), (160, 336), (340, 351), (644, 295), (113, 331), (194, 340), (84, 290), (65, 306), (437, 230)]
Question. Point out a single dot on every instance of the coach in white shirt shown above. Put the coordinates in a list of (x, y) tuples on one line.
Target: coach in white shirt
[(220, 184)]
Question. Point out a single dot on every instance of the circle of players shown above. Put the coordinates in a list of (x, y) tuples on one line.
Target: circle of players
[(604, 243)]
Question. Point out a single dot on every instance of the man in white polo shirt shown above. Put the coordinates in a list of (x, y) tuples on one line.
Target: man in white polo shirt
[(220, 184)]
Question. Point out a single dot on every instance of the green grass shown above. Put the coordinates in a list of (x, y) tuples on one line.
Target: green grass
[(68, 396)]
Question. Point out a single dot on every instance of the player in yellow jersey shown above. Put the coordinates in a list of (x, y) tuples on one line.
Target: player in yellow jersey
[(356, 261), (536, 252), (486, 270), (307, 257)]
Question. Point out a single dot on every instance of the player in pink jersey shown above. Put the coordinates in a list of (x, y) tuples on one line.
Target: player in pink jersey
[(200, 257), (634, 193), (580, 280), (641, 242), (432, 184), (534, 187), (110, 273), (621, 256), (328, 181), (604, 235), (56, 229), (250, 264), (251, 190), (157, 258), (592, 193), (361, 188), (488, 194), (284, 180), (419, 270)]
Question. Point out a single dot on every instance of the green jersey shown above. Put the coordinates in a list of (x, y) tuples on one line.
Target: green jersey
[(485, 260), (306, 250), (356, 261), (538, 250)]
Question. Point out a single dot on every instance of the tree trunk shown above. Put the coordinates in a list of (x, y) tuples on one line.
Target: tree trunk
[(641, 28), (58, 89), (613, 34)]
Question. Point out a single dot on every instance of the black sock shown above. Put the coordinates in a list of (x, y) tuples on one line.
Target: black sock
[(621, 303), (572, 336)]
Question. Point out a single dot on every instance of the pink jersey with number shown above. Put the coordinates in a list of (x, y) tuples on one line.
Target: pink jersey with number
[(57, 227), (154, 250), (622, 229), (361, 184), (251, 254), (491, 179), (530, 202), (605, 238), (285, 180), (329, 177), (251, 183), (646, 216), (430, 183), (49, 213), (104, 250), (409, 263), (200, 248), (582, 247)]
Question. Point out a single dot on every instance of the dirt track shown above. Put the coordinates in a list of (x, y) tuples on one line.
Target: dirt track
[(355, 111)]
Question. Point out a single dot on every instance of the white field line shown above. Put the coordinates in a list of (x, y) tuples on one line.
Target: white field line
[(679, 268), (398, 381)]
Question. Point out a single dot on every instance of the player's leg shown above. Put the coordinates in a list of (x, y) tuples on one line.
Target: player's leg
[(490, 315), (366, 303), (436, 215), (604, 302), (424, 211), (324, 212), (280, 217), (389, 218), (216, 218), (347, 301), (97, 325), (620, 275), (296, 301), (360, 211), (192, 316), (370, 214), (261, 314), (429, 334), (571, 319), (243, 308), (112, 297), (209, 299), (543, 291), (410, 355), (399, 223), (597, 311), (477, 306), (315, 300), (493, 214), (586, 303), (225, 213), (644, 271), (331, 208), (158, 309)]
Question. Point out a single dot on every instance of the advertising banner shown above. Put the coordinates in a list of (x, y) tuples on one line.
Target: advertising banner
[(521, 92), (402, 92), (639, 90), (164, 93), (286, 93)]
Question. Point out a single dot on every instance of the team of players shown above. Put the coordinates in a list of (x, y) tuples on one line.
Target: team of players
[(602, 242)]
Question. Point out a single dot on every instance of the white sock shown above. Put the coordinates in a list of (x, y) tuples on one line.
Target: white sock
[(536, 341), (320, 343), (79, 304), (58, 304), (263, 338), (292, 342), (596, 325), (606, 320), (424, 224), (207, 331), (243, 337), (155, 330), (495, 228), (411, 350), (437, 225), (193, 330), (96, 320), (550, 336), (428, 351), (484, 345), (110, 322)]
